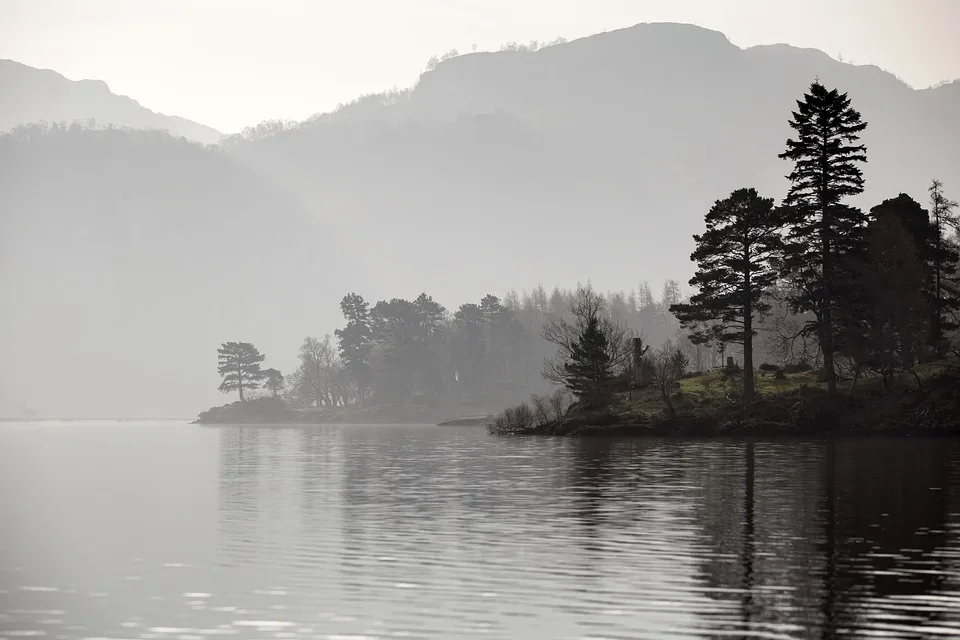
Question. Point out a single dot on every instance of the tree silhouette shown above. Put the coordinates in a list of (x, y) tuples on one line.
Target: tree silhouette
[(273, 380), (356, 341), (469, 348), (667, 366), (735, 266), (945, 260), (891, 305), (239, 365), (394, 326), (822, 232), (428, 335), (587, 373), (590, 348)]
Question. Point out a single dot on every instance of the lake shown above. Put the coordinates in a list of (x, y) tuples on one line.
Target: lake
[(167, 530)]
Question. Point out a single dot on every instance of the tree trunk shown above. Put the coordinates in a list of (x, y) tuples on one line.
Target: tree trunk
[(749, 389), (825, 335), (826, 308), (936, 328), (748, 384), (826, 303)]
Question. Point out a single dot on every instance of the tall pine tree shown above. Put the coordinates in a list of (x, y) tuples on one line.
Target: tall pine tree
[(239, 365), (822, 233), (356, 341), (945, 259), (735, 266)]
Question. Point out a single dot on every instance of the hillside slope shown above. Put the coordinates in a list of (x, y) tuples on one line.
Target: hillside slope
[(29, 95), (595, 159), (129, 256)]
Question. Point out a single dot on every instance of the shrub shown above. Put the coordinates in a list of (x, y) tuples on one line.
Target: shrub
[(516, 420)]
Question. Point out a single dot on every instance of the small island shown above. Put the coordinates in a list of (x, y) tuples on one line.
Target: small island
[(853, 314)]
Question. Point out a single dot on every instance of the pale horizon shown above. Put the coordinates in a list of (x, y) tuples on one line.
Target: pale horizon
[(234, 64)]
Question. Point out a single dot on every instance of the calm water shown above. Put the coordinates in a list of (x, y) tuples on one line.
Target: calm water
[(173, 531)]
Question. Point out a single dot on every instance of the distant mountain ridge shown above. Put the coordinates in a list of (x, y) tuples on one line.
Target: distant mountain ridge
[(29, 95), (628, 134), (593, 160)]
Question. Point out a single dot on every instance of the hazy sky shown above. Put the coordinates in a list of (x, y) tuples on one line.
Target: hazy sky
[(231, 63)]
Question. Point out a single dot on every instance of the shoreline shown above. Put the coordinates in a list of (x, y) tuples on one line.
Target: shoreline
[(274, 411), (904, 409), (927, 406)]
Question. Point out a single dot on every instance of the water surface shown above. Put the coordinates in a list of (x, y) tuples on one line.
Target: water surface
[(166, 530)]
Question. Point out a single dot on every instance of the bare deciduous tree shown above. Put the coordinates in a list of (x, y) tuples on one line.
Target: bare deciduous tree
[(560, 402), (588, 307), (541, 408), (669, 364)]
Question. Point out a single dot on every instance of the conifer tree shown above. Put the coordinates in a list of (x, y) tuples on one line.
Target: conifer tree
[(896, 287), (589, 368), (590, 348), (735, 266), (945, 260), (356, 341), (822, 233), (273, 380), (239, 365)]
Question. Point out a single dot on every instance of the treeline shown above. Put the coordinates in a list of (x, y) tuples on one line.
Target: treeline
[(399, 350), (418, 351)]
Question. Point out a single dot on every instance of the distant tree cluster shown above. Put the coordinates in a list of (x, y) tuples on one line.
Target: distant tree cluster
[(400, 351), (533, 45), (417, 351), (260, 131)]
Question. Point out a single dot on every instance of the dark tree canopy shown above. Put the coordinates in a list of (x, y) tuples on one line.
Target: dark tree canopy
[(590, 348), (735, 259), (822, 233), (944, 261), (888, 321), (273, 380), (356, 341), (588, 371), (239, 365)]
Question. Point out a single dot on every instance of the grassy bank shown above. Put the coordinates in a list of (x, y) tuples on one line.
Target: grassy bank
[(925, 401)]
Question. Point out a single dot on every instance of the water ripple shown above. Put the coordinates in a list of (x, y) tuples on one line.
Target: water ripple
[(420, 532)]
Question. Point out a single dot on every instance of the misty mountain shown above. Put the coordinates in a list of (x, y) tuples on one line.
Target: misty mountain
[(29, 95), (595, 159), (129, 256)]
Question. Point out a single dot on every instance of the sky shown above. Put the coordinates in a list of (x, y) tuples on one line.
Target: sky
[(233, 63)]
